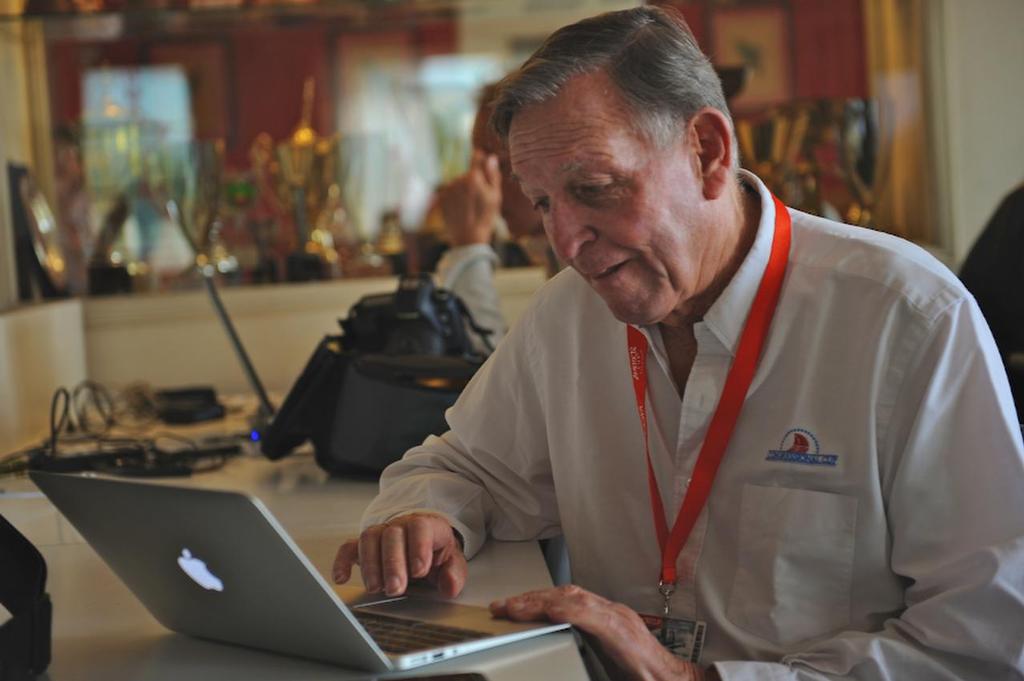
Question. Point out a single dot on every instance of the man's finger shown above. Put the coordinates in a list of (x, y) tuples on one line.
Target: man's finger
[(369, 558), (476, 159), (393, 560), (347, 556), (413, 546), (525, 606), (420, 542), (479, 181), (492, 171), (451, 577), (571, 604)]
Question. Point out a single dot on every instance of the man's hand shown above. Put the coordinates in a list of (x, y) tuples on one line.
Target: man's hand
[(415, 546), (471, 203), (622, 636)]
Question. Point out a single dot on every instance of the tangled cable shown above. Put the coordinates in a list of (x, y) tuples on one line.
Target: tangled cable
[(85, 415)]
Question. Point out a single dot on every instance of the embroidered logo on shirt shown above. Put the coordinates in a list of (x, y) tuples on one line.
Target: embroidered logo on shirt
[(800, 446)]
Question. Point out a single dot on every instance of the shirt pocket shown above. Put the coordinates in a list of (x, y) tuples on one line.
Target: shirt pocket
[(795, 563)]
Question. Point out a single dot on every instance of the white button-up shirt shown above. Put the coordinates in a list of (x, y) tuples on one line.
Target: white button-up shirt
[(867, 520)]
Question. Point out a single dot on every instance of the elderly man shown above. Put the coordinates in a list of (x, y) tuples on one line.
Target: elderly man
[(789, 434)]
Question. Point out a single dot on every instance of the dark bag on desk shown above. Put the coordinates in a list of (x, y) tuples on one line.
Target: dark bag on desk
[(25, 638), (368, 396)]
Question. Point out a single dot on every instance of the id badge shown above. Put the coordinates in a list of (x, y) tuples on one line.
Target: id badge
[(683, 638)]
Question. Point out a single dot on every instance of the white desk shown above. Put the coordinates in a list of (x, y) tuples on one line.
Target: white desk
[(101, 632)]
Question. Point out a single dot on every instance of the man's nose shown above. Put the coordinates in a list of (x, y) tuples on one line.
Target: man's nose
[(568, 229)]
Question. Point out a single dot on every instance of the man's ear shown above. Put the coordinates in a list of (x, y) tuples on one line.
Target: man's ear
[(711, 137)]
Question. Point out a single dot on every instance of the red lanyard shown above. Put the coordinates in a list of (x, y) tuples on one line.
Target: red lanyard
[(724, 420)]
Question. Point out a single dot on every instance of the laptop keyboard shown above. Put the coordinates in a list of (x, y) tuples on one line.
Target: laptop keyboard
[(397, 635)]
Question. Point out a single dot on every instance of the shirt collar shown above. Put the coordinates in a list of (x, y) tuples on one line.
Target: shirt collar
[(727, 315)]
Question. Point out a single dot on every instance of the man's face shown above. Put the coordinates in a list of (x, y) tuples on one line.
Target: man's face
[(627, 215)]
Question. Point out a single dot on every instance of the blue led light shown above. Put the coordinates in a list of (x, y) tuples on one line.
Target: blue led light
[(254, 436)]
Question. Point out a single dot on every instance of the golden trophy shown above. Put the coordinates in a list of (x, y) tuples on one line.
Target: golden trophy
[(841, 167), (862, 159), (308, 170), (197, 209), (773, 145)]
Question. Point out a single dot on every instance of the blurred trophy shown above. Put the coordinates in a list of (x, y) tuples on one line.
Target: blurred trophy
[(196, 206), (308, 165), (861, 155), (268, 211), (773, 146), (844, 148)]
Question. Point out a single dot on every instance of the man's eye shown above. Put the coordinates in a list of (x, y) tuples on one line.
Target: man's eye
[(593, 192), (541, 205)]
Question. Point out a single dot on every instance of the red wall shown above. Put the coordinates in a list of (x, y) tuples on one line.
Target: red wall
[(249, 81), (264, 68), (269, 71), (826, 41), (829, 54)]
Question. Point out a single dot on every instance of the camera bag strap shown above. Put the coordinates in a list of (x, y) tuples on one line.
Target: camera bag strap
[(484, 333)]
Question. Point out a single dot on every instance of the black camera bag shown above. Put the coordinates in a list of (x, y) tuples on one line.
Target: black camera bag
[(386, 405), (363, 412), (362, 402)]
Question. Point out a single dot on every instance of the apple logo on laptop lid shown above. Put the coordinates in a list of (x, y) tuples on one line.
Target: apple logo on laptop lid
[(197, 570)]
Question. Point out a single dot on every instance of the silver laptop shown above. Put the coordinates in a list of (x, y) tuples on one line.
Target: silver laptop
[(217, 565)]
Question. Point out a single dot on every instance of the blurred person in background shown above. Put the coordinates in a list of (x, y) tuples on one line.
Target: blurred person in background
[(74, 208), (994, 273), (489, 223)]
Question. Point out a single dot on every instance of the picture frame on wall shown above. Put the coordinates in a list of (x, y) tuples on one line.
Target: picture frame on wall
[(756, 38)]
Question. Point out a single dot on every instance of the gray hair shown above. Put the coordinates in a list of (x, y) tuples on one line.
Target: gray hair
[(648, 52)]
